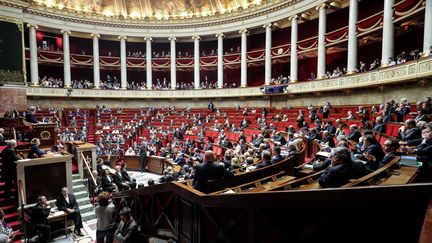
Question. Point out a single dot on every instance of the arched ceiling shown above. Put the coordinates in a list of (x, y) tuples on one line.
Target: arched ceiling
[(153, 9)]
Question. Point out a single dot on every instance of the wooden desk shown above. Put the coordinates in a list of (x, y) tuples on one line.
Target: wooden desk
[(44, 176), (155, 164), (56, 217)]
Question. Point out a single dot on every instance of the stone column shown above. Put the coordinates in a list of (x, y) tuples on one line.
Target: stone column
[(123, 67), (388, 33), (294, 58), (322, 27), (427, 40), (243, 68), (34, 71), (96, 67), (352, 37), (196, 61), (268, 45), (173, 62), (66, 59), (220, 70), (149, 80)]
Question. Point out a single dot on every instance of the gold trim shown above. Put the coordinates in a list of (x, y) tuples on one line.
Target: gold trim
[(293, 81), (20, 24), (67, 86), (351, 72)]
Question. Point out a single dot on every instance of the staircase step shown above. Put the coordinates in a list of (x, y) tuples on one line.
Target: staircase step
[(76, 182), (11, 216), (81, 194), (83, 201), (75, 176), (88, 216), (78, 188), (86, 208)]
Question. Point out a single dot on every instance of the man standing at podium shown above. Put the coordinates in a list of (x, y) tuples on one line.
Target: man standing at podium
[(67, 203), (30, 115)]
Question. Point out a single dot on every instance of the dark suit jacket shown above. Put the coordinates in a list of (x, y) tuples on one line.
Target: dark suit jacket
[(277, 158), (127, 231), (125, 175), (34, 150), (354, 136), (376, 151), (39, 215), (30, 117), (207, 171), (339, 175), (411, 134), (106, 184), (330, 141), (424, 154), (387, 158), (9, 157), (380, 127), (62, 205)]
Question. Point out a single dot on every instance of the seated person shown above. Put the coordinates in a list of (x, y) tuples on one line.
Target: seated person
[(39, 215), (390, 148), (119, 180), (67, 203), (35, 152), (265, 159), (107, 182), (277, 155), (371, 147), (410, 133), (342, 169), (131, 182), (7, 233)]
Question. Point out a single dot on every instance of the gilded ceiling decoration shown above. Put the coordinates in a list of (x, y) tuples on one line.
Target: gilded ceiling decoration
[(152, 9)]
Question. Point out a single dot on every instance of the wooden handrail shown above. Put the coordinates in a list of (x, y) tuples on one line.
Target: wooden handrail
[(371, 175), (87, 166)]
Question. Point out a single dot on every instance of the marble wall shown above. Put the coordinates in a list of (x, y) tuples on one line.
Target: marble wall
[(12, 97), (413, 91)]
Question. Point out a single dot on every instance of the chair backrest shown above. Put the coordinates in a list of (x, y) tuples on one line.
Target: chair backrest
[(25, 221)]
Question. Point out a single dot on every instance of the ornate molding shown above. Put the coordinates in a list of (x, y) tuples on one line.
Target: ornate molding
[(143, 94), (395, 74), (402, 73)]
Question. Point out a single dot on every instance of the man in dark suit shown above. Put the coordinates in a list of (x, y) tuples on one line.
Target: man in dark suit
[(424, 154), (390, 148), (342, 170), (379, 125), (2, 138), (131, 182), (67, 203), (30, 115), (119, 180), (39, 215), (354, 134), (143, 156), (209, 170), (9, 172), (127, 229), (265, 159), (277, 155), (410, 133), (371, 147)]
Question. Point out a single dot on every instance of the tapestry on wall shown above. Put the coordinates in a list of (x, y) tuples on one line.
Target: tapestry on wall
[(11, 52)]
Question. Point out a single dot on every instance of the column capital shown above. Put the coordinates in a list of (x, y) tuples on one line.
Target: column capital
[(268, 25), (294, 17), (95, 35), (196, 37), (220, 35), (172, 38), (68, 32), (243, 31), (122, 37), (322, 5), (147, 38), (33, 26)]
